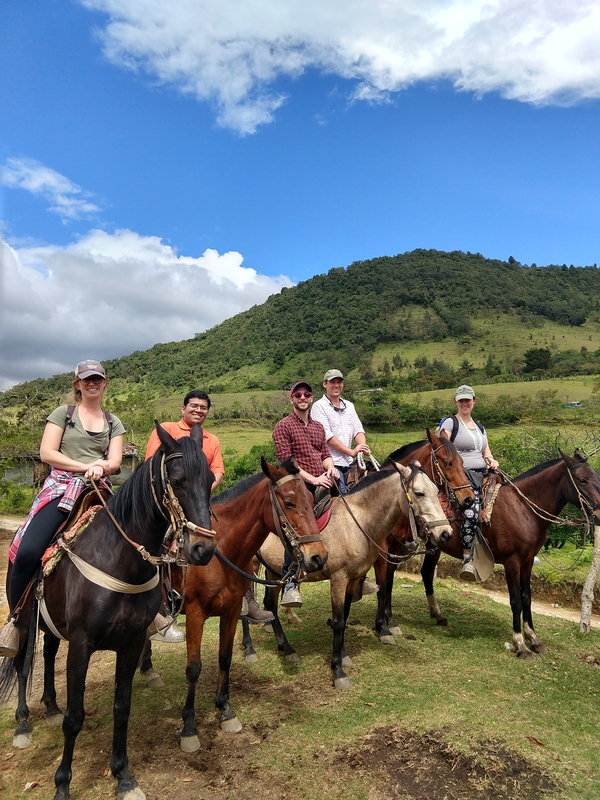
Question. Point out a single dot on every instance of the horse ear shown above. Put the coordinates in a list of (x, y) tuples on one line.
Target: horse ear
[(432, 437), (166, 440), (197, 433), (579, 455), (267, 469), (404, 471)]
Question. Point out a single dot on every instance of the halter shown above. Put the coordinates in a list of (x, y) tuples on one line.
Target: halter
[(435, 467)]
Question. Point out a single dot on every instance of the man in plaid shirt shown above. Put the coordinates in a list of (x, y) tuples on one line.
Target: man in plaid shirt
[(300, 437)]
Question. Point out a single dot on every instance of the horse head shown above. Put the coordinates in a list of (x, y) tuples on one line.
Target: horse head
[(185, 481), (584, 483), (293, 516), (448, 464), (423, 502)]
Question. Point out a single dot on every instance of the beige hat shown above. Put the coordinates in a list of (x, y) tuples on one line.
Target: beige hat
[(464, 392), (331, 374)]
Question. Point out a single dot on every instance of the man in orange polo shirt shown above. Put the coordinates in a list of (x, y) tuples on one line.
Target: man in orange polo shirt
[(196, 405)]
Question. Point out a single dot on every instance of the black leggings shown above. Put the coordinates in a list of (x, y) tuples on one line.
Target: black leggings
[(35, 540)]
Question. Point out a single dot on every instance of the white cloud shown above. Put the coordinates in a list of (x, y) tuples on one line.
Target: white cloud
[(107, 295), (66, 199), (232, 53)]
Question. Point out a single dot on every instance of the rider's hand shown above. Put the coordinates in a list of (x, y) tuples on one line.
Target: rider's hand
[(361, 448)]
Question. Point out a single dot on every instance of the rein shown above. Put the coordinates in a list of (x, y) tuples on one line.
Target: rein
[(435, 467)]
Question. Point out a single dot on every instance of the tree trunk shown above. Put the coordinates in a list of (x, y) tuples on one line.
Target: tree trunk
[(587, 593)]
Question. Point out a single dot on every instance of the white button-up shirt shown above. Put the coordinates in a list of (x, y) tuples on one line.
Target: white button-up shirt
[(342, 422)]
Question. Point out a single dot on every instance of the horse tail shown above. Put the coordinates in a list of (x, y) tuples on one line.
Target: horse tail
[(8, 678), (9, 671)]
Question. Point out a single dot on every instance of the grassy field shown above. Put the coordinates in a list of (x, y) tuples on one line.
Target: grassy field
[(447, 713)]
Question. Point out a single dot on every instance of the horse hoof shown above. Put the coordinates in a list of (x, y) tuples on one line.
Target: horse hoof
[(395, 630), (540, 649), (231, 725), (268, 627), (22, 740), (347, 662), (251, 658), (131, 794), (526, 655), (189, 744), (386, 640), (153, 680), (443, 622), (342, 683), (54, 721), (292, 658)]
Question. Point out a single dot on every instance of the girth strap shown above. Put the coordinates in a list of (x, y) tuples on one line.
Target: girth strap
[(100, 578)]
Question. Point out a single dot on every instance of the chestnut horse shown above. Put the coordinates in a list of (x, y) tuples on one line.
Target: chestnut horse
[(277, 500), (360, 521), (174, 484), (444, 466), (521, 515)]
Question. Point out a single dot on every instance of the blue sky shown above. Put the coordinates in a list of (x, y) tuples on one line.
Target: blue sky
[(165, 166)]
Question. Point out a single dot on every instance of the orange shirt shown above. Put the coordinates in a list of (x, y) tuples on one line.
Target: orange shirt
[(210, 443)]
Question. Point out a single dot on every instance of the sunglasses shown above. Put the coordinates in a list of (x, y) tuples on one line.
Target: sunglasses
[(298, 395), (92, 379)]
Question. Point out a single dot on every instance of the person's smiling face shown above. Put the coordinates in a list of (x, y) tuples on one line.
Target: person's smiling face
[(92, 386), (465, 405), (301, 398), (334, 387), (195, 411)]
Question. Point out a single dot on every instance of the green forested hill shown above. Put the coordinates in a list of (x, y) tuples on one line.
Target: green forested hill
[(342, 317)]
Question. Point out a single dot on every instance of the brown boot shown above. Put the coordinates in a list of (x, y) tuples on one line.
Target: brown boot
[(255, 614), (10, 640)]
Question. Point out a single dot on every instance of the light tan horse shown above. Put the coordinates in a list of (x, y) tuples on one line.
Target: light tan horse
[(353, 537)]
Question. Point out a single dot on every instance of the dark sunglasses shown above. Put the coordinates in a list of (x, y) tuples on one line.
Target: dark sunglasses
[(298, 395), (92, 379)]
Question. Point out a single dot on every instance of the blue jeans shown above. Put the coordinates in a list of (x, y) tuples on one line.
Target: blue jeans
[(341, 473)]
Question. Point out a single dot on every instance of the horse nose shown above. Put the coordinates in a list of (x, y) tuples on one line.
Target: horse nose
[(467, 502), (316, 563), (446, 535), (201, 553)]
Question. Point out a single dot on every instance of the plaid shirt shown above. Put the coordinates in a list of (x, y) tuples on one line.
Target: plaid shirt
[(59, 483), (306, 443)]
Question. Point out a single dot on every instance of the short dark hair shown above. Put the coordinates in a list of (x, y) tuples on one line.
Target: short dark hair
[(198, 394)]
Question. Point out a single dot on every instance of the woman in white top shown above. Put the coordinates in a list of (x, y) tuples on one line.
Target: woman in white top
[(470, 439)]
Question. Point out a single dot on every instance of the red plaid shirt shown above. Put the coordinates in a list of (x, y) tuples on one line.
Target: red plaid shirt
[(306, 443)]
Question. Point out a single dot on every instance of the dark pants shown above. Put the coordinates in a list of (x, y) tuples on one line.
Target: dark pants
[(35, 540)]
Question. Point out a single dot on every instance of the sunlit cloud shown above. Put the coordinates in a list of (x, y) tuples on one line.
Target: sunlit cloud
[(232, 54)]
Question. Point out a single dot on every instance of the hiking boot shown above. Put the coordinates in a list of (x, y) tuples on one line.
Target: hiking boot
[(244, 611), (468, 571), (291, 596), (9, 640), (369, 587), (172, 634), (255, 614)]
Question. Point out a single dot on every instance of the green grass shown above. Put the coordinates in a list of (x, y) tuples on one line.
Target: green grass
[(458, 680)]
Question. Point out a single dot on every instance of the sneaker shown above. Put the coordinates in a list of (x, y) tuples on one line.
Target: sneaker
[(468, 571), (244, 611), (9, 640), (256, 615), (369, 587), (172, 634), (536, 561), (291, 596)]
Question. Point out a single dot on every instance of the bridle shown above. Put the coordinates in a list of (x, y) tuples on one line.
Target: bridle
[(436, 469)]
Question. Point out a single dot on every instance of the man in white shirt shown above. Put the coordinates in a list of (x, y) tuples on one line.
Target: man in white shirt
[(341, 423)]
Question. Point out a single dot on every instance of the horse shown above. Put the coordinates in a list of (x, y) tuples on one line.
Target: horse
[(274, 500), (522, 512), (444, 466), (359, 523), (105, 592)]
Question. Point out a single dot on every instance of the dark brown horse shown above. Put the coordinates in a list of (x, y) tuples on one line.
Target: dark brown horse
[(520, 519), (444, 466), (277, 500), (92, 617)]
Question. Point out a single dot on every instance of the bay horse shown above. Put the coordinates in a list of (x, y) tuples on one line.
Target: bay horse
[(172, 486), (521, 515), (360, 521), (444, 466), (275, 500)]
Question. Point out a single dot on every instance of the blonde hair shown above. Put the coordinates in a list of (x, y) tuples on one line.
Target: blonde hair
[(74, 397)]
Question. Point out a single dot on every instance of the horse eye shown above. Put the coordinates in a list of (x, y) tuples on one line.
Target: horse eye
[(289, 504)]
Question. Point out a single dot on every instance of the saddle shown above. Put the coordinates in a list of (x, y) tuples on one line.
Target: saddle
[(489, 491)]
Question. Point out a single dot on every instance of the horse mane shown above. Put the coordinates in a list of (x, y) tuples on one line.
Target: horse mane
[(133, 503), (536, 470), (238, 489), (409, 449), (369, 480)]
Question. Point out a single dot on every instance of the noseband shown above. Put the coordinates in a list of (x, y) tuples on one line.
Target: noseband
[(444, 480), (283, 527)]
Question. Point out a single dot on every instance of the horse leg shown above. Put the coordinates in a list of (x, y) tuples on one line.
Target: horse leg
[(229, 721), (341, 600), (381, 620), (518, 645), (389, 585), (283, 646), (78, 660), (427, 572), (54, 715), (127, 661), (152, 678), (535, 643), (22, 734), (189, 741), (250, 656)]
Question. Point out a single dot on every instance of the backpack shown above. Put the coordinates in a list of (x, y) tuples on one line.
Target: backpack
[(454, 433), (107, 416)]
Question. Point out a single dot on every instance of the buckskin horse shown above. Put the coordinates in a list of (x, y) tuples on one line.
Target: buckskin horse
[(359, 523), (118, 549), (275, 500), (444, 466), (522, 512)]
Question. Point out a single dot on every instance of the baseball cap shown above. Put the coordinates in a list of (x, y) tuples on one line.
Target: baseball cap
[(331, 374), (464, 392), (86, 368), (298, 384)]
